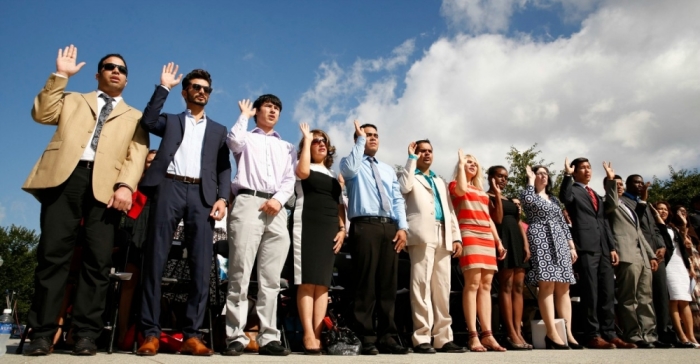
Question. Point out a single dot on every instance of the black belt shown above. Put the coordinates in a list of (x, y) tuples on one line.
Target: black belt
[(86, 164), (185, 179), (245, 191), (379, 219)]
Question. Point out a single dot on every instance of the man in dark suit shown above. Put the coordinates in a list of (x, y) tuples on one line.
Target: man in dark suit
[(637, 262), (597, 256), (189, 179), (635, 196), (86, 174)]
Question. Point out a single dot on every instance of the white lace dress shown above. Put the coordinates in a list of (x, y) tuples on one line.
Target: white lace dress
[(677, 278)]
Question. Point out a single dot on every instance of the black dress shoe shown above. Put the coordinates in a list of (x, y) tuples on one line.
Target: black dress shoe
[(451, 347), (85, 347), (273, 348), (233, 349), (38, 346), (685, 345), (549, 344), (424, 348), (369, 349), (392, 348), (641, 344), (662, 345)]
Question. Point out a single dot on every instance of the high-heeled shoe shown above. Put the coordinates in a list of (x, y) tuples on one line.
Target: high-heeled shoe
[(475, 348), (513, 346), (497, 347), (549, 344), (575, 346), (308, 351)]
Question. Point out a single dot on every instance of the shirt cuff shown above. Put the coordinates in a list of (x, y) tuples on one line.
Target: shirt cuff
[(165, 87), (413, 156), (59, 75)]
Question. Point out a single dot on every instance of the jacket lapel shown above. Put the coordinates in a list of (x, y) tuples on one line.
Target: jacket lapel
[(121, 108), (91, 100), (587, 197), (421, 180)]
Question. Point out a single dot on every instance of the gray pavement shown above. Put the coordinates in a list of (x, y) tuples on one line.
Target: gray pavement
[(636, 356)]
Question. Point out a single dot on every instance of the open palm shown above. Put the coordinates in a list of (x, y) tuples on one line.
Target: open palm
[(65, 62)]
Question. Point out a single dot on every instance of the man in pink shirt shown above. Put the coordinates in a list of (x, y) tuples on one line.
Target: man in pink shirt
[(257, 225)]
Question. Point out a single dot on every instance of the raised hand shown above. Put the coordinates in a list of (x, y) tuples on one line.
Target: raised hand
[(246, 107), (645, 191), (609, 171), (530, 173), (305, 133), (167, 78), (568, 169), (358, 130), (65, 62), (462, 158), (412, 149), (494, 186)]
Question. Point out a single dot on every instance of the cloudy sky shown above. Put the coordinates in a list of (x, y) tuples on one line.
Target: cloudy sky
[(609, 80)]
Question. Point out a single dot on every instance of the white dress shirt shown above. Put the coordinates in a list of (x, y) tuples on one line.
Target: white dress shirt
[(188, 158), (88, 153)]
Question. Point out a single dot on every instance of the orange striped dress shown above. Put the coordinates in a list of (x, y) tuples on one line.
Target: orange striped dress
[(478, 245)]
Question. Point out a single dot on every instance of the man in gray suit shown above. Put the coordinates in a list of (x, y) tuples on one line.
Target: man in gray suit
[(633, 276)]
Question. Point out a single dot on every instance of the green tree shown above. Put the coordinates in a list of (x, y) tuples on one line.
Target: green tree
[(678, 189), (18, 251), (517, 173)]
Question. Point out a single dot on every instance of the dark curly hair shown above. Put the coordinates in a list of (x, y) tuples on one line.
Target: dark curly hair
[(330, 149), (196, 74)]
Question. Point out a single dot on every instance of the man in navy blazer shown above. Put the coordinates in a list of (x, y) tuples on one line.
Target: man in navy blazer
[(596, 256), (189, 179)]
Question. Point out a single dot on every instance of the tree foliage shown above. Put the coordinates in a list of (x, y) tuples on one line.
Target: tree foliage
[(18, 252), (517, 170), (678, 189)]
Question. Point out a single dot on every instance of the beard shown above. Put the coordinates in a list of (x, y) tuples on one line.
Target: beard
[(192, 99)]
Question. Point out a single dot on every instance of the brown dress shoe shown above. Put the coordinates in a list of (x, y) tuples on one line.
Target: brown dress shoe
[(599, 343), (195, 346), (620, 344), (149, 347)]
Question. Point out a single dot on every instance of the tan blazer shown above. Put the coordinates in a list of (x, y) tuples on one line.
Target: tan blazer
[(420, 208), (629, 239), (120, 153)]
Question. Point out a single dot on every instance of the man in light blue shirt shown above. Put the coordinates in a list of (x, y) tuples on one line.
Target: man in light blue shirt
[(377, 211)]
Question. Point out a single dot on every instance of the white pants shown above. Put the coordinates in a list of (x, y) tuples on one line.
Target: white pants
[(251, 234), (430, 290)]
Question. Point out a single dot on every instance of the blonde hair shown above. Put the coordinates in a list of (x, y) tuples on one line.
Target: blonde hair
[(477, 181)]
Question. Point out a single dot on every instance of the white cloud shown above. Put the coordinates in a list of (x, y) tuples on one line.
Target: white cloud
[(624, 88)]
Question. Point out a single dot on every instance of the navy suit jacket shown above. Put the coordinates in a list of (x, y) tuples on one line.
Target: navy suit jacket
[(588, 229), (215, 164)]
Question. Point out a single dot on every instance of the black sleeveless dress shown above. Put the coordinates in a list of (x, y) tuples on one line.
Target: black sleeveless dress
[(315, 225), (511, 236)]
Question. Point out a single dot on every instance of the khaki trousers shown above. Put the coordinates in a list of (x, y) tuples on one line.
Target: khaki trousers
[(430, 290)]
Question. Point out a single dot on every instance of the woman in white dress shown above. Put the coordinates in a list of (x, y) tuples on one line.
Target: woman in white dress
[(679, 273)]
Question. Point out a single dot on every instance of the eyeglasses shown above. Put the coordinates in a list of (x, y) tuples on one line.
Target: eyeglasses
[(197, 87), (112, 66), (372, 135), (319, 141), (542, 174)]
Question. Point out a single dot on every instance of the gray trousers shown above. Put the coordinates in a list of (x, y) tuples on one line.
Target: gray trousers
[(635, 307), (251, 234)]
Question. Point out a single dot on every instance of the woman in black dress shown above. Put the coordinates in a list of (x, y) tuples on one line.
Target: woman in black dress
[(511, 270), (318, 231)]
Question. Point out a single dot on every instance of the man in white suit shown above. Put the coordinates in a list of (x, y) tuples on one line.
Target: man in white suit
[(433, 235)]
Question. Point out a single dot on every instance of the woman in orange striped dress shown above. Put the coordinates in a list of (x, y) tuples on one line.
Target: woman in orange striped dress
[(480, 243)]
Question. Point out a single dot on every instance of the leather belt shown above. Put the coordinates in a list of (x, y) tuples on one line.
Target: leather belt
[(379, 219), (265, 195), (184, 179), (86, 164)]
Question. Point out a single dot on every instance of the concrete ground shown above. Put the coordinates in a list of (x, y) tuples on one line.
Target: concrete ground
[(636, 356)]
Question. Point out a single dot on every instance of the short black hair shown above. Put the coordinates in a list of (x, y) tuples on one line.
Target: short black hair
[(260, 101), (364, 126), (548, 188), (617, 176), (632, 176), (194, 75), (577, 162), (419, 142), (103, 59), (492, 170)]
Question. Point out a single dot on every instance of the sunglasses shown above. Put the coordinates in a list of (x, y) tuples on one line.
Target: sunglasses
[(197, 87), (112, 66), (318, 141)]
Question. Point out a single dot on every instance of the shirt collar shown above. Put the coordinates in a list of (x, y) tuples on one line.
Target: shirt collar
[(581, 184), (274, 133), (100, 92), (631, 196), (431, 174), (188, 113)]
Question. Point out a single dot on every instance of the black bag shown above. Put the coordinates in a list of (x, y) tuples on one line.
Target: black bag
[(339, 340)]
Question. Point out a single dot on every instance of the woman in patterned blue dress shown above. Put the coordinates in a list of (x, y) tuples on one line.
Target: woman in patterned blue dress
[(553, 253)]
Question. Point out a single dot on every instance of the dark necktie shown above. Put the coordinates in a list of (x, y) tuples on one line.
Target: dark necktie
[(594, 199), (104, 114), (384, 200)]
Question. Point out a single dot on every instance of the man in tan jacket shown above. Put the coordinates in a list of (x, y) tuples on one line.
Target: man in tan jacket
[(433, 235), (84, 180)]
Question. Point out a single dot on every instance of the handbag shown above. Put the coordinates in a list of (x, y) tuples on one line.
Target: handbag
[(339, 340)]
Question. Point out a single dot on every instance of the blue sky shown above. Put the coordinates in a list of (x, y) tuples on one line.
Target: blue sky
[(282, 47)]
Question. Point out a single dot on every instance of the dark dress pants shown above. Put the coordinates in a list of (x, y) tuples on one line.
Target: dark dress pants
[(62, 210), (597, 289), (172, 202), (661, 305), (375, 265)]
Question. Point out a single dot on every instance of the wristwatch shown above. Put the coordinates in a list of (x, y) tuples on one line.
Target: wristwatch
[(225, 200)]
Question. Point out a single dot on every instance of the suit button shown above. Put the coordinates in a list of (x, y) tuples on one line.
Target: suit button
[(178, 143), (82, 146), (432, 213), (172, 154)]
